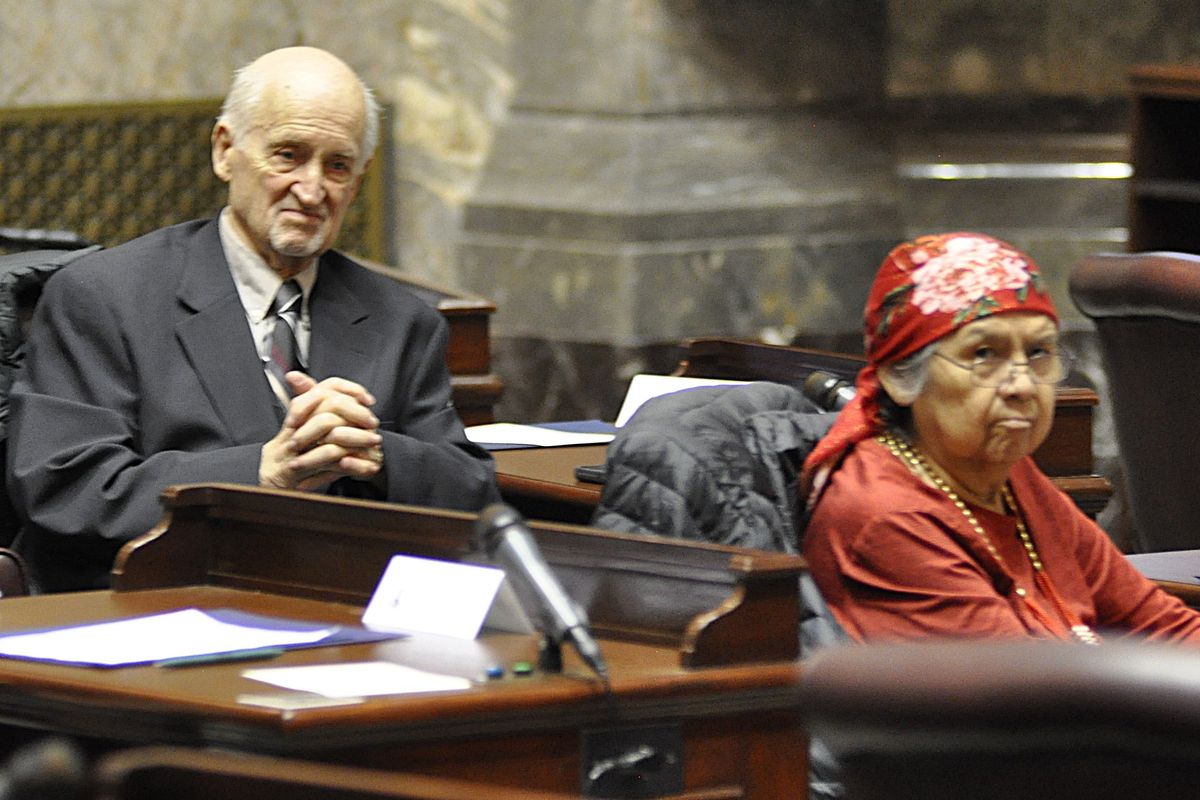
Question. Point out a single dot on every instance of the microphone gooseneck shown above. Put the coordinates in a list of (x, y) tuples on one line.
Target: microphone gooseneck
[(507, 540), (828, 391)]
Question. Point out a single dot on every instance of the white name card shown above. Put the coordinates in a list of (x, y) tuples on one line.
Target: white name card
[(425, 595)]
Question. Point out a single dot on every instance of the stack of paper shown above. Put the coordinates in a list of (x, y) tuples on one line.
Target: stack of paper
[(508, 435), (186, 633)]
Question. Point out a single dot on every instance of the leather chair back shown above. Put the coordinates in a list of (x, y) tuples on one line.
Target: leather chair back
[(22, 276), (993, 720), (1146, 309), (14, 580)]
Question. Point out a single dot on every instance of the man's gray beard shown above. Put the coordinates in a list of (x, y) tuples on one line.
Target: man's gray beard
[(288, 246)]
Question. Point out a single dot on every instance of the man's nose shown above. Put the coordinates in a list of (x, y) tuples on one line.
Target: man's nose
[(309, 186)]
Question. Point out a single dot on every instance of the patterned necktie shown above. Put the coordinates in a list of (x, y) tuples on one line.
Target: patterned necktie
[(285, 355)]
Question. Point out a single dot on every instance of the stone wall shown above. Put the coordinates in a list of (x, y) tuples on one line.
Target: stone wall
[(675, 169), (672, 169)]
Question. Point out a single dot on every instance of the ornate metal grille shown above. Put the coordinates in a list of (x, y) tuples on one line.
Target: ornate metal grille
[(113, 172)]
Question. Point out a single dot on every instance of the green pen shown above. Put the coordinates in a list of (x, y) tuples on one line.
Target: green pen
[(252, 654)]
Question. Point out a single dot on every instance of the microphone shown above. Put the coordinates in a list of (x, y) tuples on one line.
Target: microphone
[(828, 391), (506, 539)]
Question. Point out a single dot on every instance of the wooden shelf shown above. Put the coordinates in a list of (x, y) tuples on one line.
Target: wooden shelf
[(1164, 200), (1177, 191)]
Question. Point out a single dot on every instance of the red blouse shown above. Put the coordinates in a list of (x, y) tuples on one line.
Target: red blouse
[(895, 559)]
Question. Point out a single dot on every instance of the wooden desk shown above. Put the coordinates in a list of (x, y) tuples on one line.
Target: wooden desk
[(188, 773), (542, 482), (701, 643), (1164, 191)]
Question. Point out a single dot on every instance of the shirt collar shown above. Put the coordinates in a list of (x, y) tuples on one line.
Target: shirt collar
[(256, 282)]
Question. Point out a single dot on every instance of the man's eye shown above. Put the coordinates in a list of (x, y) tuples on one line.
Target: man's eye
[(341, 167), (285, 157)]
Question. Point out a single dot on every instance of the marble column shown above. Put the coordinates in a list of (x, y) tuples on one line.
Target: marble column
[(672, 169)]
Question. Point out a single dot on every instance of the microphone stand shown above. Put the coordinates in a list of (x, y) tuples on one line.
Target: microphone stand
[(550, 654), (550, 660), (504, 537)]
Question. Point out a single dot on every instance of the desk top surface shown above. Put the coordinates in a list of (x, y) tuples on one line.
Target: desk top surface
[(200, 705), (550, 470)]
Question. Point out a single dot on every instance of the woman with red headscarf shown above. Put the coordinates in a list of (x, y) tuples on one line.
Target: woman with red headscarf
[(928, 516)]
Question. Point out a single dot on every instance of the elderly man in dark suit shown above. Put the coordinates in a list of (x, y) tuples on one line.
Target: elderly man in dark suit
[(170, 360)]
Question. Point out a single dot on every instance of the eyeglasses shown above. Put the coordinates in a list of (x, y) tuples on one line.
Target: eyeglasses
[(993, 371)]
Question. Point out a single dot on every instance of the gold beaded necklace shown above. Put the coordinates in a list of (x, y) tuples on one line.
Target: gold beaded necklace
[(915, 459)]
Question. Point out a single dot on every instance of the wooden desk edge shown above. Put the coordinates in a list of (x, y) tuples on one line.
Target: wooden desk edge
[(197, 542)]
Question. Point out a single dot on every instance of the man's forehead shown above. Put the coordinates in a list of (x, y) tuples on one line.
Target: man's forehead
[(338, 99), (297, 123)]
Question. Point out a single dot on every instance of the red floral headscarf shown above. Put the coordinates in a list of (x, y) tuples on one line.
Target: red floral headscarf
[(924, 290)]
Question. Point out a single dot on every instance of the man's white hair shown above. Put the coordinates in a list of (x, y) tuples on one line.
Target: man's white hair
[(245, 94)]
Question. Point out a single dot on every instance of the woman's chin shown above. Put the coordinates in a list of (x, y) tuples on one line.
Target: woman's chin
[(1010, 448)]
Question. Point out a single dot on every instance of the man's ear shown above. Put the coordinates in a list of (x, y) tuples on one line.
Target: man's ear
[(222, 146), (892, 387)]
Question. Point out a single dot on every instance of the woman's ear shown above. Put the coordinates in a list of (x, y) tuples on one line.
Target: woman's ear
[(895, 388)]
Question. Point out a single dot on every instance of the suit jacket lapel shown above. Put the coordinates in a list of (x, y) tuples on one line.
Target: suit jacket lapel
[(217, 341), (342, 343)]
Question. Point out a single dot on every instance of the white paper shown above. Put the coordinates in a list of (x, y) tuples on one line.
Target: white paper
[(357, 679), (291, 701), (1174, 565), (644, 387), (507, 615), (425, 595), (175, 634), (532, 435)]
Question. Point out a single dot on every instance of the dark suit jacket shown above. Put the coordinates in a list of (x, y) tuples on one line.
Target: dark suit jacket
[(142, 373)]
